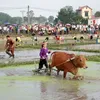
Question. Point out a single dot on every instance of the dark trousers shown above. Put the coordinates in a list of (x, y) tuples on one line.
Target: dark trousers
[(43, 62), (12, 52)]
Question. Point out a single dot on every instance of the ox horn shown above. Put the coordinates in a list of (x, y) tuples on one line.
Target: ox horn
[(72, 58)]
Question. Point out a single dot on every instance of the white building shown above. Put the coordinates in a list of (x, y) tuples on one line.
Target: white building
[(85, 11), (94, 21)]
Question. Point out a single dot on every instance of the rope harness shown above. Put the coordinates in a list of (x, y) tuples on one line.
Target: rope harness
[(67, 61)]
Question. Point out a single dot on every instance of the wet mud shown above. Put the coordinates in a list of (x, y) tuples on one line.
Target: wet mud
[(32, 55), (20, 83)]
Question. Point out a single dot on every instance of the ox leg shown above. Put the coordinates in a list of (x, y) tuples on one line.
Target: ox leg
[(58, 72), (64, 75), (78, 77), (49, 72)]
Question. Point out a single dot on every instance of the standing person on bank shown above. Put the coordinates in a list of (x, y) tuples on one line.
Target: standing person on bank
[(10, 46), (43, 57)]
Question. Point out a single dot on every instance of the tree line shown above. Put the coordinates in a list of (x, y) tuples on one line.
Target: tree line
[(65, 15), (5, 18)]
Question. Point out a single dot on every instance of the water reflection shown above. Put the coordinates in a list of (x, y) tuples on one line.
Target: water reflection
[(62, 90), (25, 86)]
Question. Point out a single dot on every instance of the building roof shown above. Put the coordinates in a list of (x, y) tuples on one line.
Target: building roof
[(93, 18), (80, 8)]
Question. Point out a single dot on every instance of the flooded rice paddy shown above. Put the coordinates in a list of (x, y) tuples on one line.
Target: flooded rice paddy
[(20, 83), (31, 55), (89, 47)]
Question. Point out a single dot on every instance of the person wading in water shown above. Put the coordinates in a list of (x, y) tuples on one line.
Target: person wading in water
[(43, 57), (9, 46)]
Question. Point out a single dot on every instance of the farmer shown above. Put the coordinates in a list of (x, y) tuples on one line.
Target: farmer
[(46, 39), (9, 46), (43, 56), (18, 41), (34, 39), (58, 39)]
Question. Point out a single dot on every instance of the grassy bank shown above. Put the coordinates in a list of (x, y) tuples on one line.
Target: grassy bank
[(53, 46), (93, 58), (17, 63)]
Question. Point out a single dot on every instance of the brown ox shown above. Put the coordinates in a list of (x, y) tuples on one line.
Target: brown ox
[(67, 63)]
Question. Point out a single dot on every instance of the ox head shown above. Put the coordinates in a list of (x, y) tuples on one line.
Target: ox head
[(80, 61)]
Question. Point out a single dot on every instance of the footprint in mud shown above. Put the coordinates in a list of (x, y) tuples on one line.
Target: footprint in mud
[(2, 56), (42, 72), (2, 74), (9, 60)]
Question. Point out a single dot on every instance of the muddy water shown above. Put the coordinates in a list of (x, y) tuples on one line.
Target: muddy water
[(30, 55), (20, 83)]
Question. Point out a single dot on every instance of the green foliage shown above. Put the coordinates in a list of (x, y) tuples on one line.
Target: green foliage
[(50, 19), (16, 20), (55, 21), (77, 19), (97, 14), (93, 58), (37, 20), (42, 19), (67, 15), (4, 18)]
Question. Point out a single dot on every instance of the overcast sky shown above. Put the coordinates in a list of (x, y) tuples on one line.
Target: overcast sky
[(54, 5)]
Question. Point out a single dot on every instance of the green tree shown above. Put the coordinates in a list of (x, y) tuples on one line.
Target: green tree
[(66, 14), (31, 14), (56, 21), (84, 21), (37, 20), (4, 18), (42, 19), (16, 20), (97, 14), (50, 19)]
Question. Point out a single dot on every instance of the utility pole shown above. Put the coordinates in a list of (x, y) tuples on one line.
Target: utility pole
[(28, 15), (22, 16)]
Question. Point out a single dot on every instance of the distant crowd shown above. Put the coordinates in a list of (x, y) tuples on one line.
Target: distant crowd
[(49, 29)]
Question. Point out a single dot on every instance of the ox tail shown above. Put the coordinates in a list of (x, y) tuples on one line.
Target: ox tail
[(51, 58), (50, 63), (52, 55)]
